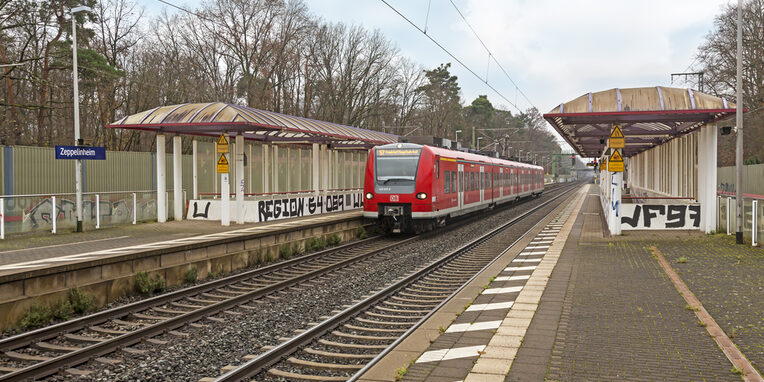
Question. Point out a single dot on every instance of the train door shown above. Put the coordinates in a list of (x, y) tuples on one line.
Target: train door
[(501, 182), (512, 190), (461, 186), (481, 184)]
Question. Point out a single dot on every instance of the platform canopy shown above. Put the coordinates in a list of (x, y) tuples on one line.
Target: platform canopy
[(212, 119), (649, 116)]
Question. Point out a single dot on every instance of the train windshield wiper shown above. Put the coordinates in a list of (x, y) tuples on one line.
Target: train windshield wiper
[(397, 178)]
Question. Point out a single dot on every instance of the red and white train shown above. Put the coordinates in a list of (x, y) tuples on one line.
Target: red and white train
[(412, 188)]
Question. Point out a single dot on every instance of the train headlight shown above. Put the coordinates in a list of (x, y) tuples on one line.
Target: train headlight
[(369, 195), (421, 196)]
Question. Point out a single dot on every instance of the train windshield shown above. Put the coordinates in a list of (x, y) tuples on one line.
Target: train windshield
[(397, 166)]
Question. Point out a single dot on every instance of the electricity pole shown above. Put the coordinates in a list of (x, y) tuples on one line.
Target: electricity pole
[(739, 123)]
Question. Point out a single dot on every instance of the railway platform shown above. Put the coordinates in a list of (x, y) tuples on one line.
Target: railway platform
[(570, 302), (42, 269)]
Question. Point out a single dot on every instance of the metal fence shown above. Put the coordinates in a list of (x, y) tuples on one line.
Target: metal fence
[(57, 212), (753, 216)]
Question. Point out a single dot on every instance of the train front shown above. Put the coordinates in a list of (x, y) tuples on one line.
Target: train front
[(392, 188)]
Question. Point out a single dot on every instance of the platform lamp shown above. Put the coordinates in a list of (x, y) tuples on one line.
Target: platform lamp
[(77, 140), (457, 135)]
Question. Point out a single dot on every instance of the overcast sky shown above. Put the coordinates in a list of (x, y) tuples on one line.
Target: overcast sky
[(555, 50)]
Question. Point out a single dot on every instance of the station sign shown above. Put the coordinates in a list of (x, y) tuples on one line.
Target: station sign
[(615, 162), (81, 152), (617, 140), (222, 145), (222, 164)]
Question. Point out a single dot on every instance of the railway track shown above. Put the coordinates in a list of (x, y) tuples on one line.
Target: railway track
[(42, 352), (343, 345)]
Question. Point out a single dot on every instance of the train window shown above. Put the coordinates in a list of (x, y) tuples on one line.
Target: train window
[(447, 183), (453, 181), (461, 181), (437, 167), (398, 168)]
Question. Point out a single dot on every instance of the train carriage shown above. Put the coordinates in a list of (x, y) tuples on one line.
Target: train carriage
[(412, 188)]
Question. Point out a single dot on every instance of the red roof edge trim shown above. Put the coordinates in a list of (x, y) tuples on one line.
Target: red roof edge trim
[(637, 112)]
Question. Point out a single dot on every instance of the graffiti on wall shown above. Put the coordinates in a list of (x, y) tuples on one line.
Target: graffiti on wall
[(660, 216), (726, 187), (266, 210), (120, 211)]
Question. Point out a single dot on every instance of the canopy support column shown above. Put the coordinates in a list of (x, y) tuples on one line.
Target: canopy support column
[(267, 168), (324, 169), (276, 164), (225, 194), (674, 145), (177, 178), (707, 153), (161, 182), (316, 170), (614, 210), (239, 178), (195, 167)]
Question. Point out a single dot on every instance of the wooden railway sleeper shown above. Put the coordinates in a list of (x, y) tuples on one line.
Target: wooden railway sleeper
[(373, 330), (322, 365), (392, 316), (377, 322), (303, 377), (412, 311), (351, 346), (329, 354), (360, 337)]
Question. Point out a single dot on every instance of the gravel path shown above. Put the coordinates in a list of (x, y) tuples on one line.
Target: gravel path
[(216, 344)]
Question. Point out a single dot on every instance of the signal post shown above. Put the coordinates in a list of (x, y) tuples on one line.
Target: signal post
[(614, 164), (222, 149)]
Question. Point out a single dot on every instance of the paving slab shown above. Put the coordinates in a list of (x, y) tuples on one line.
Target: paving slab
[(620, 318)]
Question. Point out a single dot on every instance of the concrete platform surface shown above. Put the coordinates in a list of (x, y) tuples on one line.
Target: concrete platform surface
[(26, 252), (577, 305)]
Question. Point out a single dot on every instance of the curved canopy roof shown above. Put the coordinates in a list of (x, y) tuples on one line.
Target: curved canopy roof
[(649, 116), (215, 118)]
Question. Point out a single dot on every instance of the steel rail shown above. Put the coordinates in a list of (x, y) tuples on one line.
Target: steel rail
[(71, 359), (257, 365)]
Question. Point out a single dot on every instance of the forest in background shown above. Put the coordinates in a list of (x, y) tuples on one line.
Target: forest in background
[(276, 55)]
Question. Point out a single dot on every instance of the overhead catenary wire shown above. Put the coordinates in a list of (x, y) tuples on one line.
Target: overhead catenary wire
[(448, 52), (491, 56)]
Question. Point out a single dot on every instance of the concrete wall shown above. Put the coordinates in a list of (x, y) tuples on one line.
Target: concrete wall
[(753, 179)]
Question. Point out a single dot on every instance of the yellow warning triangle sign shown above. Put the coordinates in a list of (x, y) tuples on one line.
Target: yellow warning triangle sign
[(222, 140), (222, 161), (616, 157), (617, 132)]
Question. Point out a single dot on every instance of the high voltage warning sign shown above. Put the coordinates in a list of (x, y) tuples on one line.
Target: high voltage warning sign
[(615, 162), (222, 145), (616, 139), (222, 164)]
